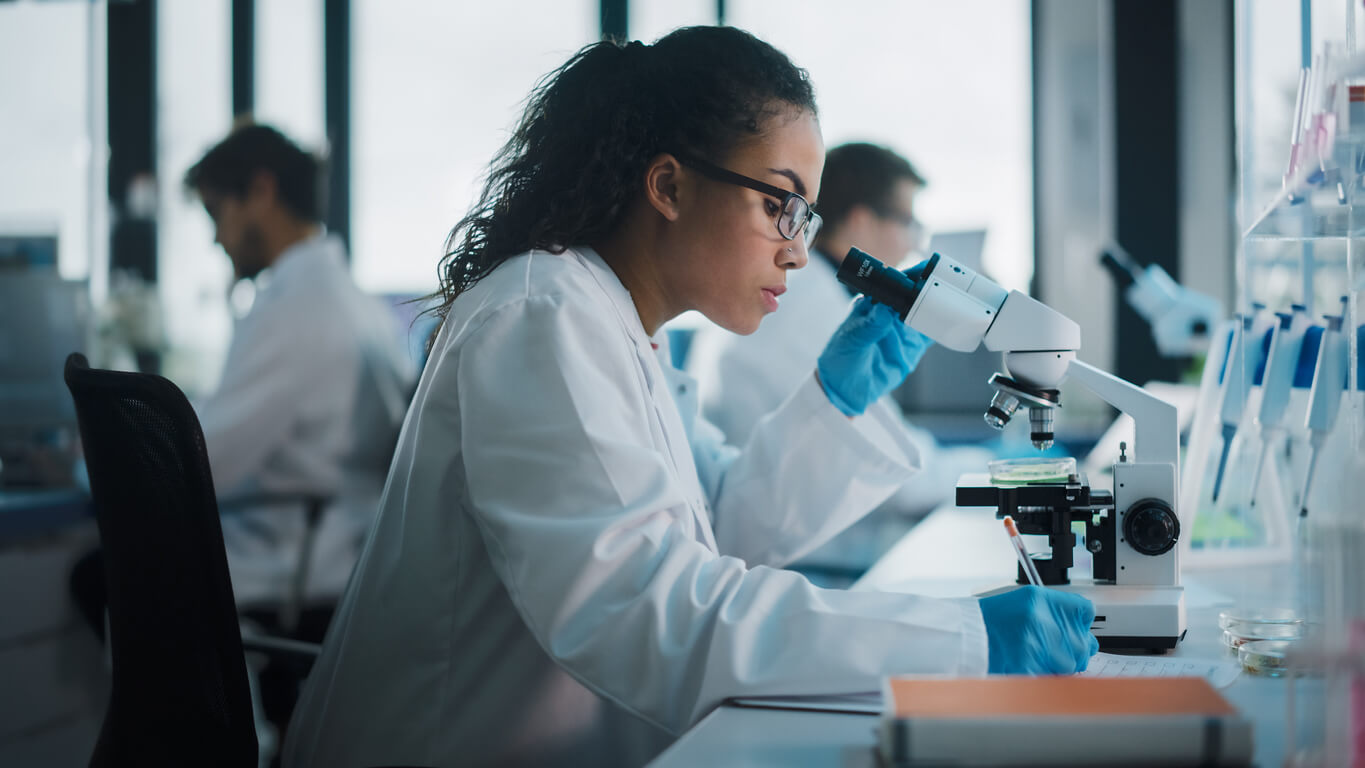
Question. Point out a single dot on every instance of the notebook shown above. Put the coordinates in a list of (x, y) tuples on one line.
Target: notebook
[(1219, 673), (1060, 721)]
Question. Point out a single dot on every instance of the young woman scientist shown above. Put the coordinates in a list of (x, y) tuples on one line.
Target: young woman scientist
[(566, 558)]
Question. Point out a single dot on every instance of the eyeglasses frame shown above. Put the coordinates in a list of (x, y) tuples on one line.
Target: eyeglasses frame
[(725, 175)]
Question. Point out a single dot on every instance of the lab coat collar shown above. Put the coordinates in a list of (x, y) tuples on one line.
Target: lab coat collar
[(616, 291)]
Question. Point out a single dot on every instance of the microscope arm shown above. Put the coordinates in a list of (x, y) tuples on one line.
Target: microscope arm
[(1158, 435)]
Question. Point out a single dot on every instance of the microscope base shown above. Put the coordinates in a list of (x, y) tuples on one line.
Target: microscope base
[(1146, 617), (1131, 617)]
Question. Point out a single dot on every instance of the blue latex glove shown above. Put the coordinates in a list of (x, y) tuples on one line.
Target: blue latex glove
[(1037, 631), (870, 353)]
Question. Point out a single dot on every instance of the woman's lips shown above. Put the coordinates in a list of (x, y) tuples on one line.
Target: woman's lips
[(770, 294)]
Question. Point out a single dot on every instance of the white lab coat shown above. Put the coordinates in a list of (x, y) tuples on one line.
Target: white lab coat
[(557, 548), (742, 378), (313, 392)]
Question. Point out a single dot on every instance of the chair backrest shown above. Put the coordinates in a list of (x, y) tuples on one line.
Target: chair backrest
[(179, 694)]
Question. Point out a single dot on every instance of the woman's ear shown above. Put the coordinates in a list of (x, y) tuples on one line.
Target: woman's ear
[(664, 182)]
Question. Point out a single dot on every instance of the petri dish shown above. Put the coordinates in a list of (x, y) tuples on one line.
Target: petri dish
[(1238, 635), (1265, 657), (1032, 470), (1252, 616)]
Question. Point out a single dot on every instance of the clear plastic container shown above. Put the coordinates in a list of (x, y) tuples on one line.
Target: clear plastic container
[(1264, 657), (1237, 635), (1032, 470), (1253, 616)]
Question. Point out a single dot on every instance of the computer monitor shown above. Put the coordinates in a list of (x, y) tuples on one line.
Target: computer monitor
[(963, 246), (413, 324), (43, 318), (28, 251)]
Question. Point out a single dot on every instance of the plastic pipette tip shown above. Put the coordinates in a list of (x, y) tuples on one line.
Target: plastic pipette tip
[(1307, 481), (1256, 471), (1222, 465)]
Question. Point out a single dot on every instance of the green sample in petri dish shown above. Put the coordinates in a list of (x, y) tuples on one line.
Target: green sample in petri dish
[(1264, 657), (1032, 470)]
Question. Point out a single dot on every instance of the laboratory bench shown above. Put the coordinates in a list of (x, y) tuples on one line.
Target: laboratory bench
[(952, 553)]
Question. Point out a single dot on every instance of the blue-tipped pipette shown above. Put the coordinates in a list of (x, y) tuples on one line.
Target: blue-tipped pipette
[(1244, 356), (1277, 381), (1324, 399)]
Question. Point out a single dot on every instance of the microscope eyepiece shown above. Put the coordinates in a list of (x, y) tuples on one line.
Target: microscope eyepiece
[(1121, 266), (864, 274)]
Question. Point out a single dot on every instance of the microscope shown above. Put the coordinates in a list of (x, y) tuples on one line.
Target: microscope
[(1131, 530), (1182, 320)]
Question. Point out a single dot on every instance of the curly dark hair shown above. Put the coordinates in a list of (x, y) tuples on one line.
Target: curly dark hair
[(577, 157)]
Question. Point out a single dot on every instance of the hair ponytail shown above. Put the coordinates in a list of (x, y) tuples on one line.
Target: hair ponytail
[(577, 157)]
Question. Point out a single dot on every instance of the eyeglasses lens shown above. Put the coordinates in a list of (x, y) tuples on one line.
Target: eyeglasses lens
[(794, 216)]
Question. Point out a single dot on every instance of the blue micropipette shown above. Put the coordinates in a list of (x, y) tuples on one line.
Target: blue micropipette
[(1244, 356), (1277, 381), (1324, 399)]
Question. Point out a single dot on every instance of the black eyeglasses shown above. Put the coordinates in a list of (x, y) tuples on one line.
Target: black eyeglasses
[(796, 216)]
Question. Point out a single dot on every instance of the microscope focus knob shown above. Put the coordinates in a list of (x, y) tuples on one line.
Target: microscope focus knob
[(1151, 527)]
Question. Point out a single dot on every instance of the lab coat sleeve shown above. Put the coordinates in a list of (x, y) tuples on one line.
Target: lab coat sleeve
[(268, 377), (806, 473), (588, 529)]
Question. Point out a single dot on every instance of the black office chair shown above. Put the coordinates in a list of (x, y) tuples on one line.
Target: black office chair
[(179, 691)]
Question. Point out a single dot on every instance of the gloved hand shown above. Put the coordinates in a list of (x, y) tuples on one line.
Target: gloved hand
[(1038, 631), (870, 353)]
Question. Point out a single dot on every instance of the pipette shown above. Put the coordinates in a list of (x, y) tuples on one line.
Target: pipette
[(1026, 565), (1277, 381), (1324, 399), (1243, 358), (1296, 133)]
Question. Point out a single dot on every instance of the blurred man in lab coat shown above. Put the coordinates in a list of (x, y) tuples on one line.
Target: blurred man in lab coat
[(315, 384), (867, 199)]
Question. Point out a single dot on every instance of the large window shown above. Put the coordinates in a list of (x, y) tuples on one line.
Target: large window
[(193, 113), (436, 88), (650, 19), (289, 79), (946, 84), (52, 137)]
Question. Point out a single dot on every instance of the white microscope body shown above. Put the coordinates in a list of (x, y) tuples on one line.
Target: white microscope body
[(1139, 602)]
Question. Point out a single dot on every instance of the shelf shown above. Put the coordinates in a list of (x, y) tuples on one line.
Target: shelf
[(1304, 222), (1316, 209)]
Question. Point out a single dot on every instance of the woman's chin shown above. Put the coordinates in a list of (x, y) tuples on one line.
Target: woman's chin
[(742, 326)]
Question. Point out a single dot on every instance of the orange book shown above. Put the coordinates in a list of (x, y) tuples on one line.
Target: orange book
[(1014, 720)]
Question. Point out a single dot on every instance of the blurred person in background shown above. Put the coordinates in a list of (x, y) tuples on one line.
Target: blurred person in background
[(315, 383), (313, 391), (867, 200)]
